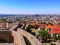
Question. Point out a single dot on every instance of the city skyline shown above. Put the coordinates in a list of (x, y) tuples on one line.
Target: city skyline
[(29, 6)]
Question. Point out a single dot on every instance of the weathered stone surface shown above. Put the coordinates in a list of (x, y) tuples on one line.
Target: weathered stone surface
[(4, 35), (18, 37), (6, 43), (30, 37)]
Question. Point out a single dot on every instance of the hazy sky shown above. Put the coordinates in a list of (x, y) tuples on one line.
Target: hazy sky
[(30, 6)]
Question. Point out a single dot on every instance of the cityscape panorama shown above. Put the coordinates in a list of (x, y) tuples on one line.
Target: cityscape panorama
[(29, 22)]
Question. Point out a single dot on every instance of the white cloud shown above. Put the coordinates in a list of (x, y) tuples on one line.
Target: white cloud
[(10, 10)]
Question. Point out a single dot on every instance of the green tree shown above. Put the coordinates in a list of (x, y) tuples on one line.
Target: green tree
[(35, 26), (3, 20), (55, 37), (58, 36), (17, 19), (43, 33)]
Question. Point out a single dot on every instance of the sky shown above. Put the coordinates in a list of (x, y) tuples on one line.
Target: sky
[(30, 6)]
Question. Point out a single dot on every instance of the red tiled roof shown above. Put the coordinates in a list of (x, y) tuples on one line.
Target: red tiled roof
[(55, 31), (41, 25)]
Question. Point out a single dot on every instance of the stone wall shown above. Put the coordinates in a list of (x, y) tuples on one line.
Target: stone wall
[(4, 35), (18, 37)]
